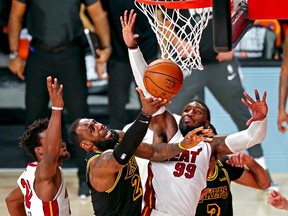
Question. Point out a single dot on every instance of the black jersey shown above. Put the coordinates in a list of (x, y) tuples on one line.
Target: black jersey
[(219, 200), (124, 198)]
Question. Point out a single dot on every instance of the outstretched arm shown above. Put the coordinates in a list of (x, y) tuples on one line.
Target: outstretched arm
[(49, 166), (254, 134), (103, 168), (136, 58), (163, 151), (277, 200), (137, 61), (124, 151), (254, 175), (256, 131)]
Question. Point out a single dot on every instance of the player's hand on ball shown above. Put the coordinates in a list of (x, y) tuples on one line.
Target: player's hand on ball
[(151, 105)]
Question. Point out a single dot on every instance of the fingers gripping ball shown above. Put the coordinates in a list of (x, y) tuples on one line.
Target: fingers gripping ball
[(163, 78)]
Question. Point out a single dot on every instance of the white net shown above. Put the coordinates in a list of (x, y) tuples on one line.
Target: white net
[(178, 32)]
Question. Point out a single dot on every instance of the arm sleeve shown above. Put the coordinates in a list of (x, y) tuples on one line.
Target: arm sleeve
[(132, 139), (139, 65), (253, 135)]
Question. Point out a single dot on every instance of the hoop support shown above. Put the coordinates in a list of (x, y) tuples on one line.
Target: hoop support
[(179, 4)]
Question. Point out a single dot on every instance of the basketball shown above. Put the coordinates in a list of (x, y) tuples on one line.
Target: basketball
[(163, 78)]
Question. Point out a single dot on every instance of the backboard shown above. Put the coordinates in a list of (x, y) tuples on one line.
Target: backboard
[(179, 33), (230, 23), (233, 18)]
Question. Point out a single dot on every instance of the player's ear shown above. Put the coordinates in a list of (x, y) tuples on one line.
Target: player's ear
[(38, 150), (85, 144)]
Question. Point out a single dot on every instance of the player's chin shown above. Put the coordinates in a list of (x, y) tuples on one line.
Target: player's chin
[(64, 155)]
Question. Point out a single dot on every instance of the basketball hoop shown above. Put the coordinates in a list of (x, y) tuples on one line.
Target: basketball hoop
[(178, 34), (180, 4)]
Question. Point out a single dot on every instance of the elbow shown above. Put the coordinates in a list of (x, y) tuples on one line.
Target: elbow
[(266, 185), (263, 181), (8, 200)]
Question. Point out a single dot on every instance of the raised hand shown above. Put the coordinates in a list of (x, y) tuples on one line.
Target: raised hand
[(128, 24), (55, 93), (151, 105), (259, 107)]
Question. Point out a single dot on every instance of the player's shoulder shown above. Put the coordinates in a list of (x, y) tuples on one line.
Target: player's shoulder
[(177, 117)]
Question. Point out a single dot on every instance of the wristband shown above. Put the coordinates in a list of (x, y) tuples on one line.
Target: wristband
[(57, 108), (133, 47), (145, 114), (13, 55), (181, 147)]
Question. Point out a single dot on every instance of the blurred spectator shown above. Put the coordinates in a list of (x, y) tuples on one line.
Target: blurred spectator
[(4, 16), (119, 69), (283, 89), (56, 50), (261, 42)]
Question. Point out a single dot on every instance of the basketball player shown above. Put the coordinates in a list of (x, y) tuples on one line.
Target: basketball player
[(222, 76), (183, 177), (41, 187), (112, 172), (240, 168)]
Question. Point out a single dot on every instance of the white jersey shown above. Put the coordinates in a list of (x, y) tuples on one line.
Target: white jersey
[(177, 182), (34, 206)]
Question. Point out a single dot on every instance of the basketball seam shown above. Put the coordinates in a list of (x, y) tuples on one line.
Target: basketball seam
[(165, 90), (154, 72)]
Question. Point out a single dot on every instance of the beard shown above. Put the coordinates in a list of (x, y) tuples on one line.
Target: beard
[(64, 156), (107, 144), (185, 129)]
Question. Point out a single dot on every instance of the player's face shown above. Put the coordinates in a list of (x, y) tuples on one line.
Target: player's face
[(63, 153), (92, 130), (194, 115), (102, 137)]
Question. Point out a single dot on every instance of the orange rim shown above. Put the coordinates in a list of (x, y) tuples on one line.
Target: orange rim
[(176, 4)]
